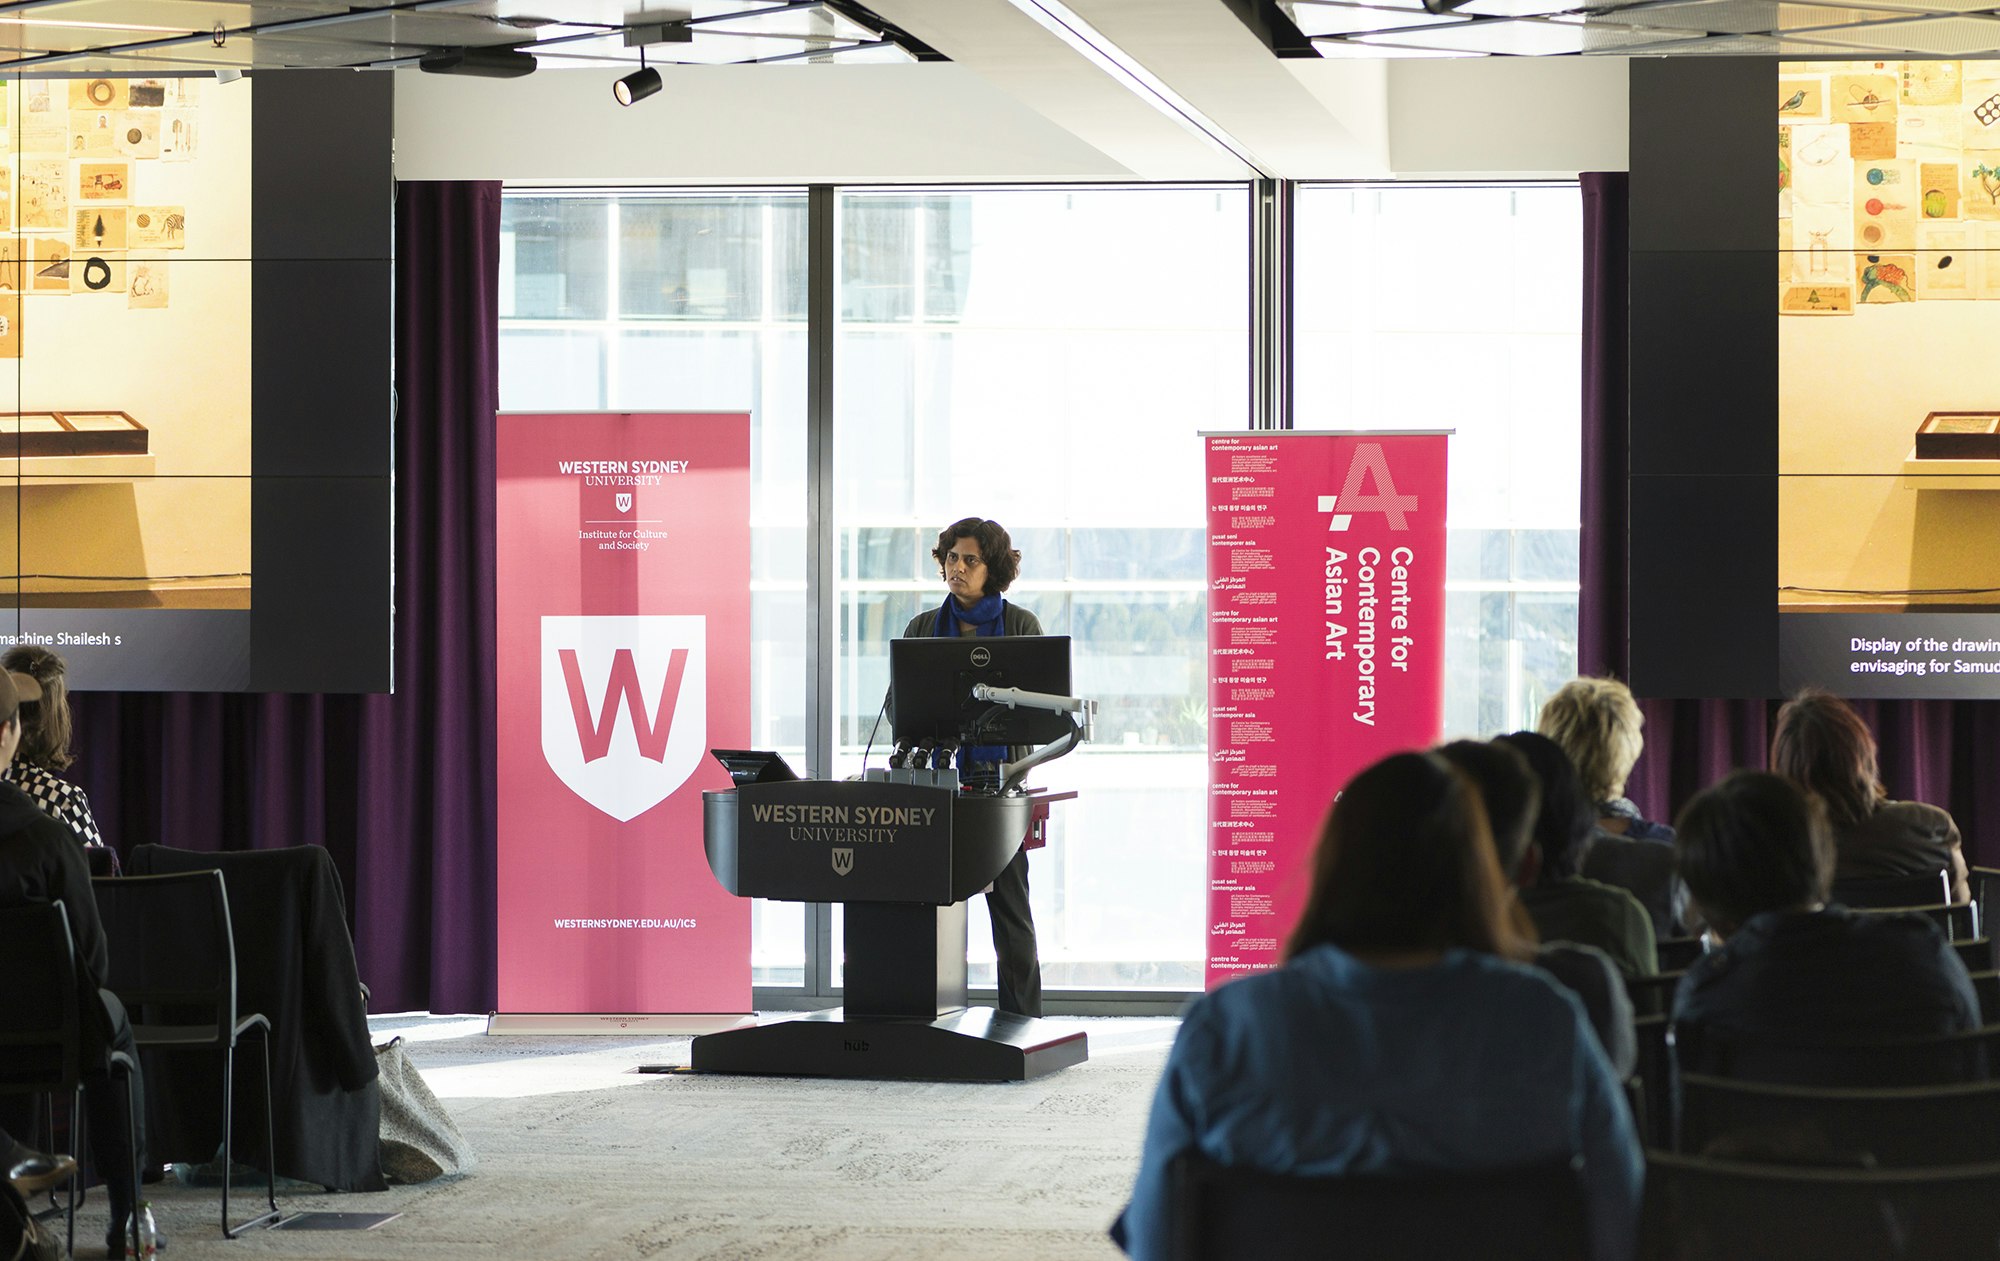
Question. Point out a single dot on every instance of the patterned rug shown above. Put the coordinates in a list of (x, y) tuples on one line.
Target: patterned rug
[(581, 1157)]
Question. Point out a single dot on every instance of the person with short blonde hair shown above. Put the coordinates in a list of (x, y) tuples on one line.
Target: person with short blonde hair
[(1597, 722)]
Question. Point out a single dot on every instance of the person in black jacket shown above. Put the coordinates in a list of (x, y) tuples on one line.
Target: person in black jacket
[(41, 861), (978, 562)]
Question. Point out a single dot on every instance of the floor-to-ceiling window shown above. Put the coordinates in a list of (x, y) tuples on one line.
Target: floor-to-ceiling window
[(685, 302), (1425, 306), (1046, 357)]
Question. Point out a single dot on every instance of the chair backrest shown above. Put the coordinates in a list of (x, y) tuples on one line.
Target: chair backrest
[(1652, 995), (1531, 1212), (1655, 1070), (1960, 920), (1977, 955), (1927, 1061), (1730, 1210), (1987, 986), (1931, 889), (1895, 1127), (40, 1030), (1677, 954), (173, 955)]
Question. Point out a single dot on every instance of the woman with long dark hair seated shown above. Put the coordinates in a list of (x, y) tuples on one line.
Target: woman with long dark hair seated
[(1822, 745), (1402, 1034)]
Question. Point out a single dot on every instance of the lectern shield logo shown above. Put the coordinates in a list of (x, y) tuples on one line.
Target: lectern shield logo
[(624, 707), (843, 861), (624, 501)]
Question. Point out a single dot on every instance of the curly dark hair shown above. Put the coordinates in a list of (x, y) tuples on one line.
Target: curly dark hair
[(1003, 562)]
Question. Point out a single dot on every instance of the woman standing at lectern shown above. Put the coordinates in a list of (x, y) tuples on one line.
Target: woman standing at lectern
[(978, 562)]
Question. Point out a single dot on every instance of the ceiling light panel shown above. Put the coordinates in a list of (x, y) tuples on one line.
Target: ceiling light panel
[(1355, 19), (817, 22), (1746, 17), (1952, 36), (1381, 51), (170, 13), (1732, 46)]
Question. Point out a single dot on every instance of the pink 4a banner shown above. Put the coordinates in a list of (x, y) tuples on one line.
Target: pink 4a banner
[(622, 561), (1326, 559)]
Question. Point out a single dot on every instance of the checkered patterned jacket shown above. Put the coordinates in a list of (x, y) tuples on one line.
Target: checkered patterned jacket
[(59, 799)]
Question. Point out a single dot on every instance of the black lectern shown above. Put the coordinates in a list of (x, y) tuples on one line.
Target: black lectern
[(903, 856)]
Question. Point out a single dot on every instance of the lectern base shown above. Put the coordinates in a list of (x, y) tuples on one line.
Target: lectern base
[(977, 1044)]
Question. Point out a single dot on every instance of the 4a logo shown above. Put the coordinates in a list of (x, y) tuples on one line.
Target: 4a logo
[(624, 500), (843, 861), (1368, 463), (624, 707)]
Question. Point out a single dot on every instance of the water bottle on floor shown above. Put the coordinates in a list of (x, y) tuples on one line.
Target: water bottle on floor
[(142, 1243)]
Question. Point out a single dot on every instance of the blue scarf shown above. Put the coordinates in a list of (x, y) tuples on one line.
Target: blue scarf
[(988, 617)]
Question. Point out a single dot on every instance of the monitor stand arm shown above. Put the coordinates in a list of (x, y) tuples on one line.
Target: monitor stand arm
[(1083, 714)]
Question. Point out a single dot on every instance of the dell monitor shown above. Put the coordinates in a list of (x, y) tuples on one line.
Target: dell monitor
[(932, 682)]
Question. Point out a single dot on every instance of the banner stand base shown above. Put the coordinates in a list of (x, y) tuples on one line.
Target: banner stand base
[(973, 1044), (631, 1025)]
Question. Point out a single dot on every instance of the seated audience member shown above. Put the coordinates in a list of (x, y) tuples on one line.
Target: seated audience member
[(40, 861), (1399, 1036), (1757, 859), (1597, 723), (1565, 904), (1822, 745), (1513, 799), (45, 749)]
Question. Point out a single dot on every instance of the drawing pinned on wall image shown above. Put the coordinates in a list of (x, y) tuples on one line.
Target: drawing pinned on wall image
[(157, 227), (1939, 181), (1869, 142), (1817, 300), (1929, 83), (1886, 198), (147, 93), (44, 195), (146, 284), (1822, 245), (1945, 262), (10, 326), (1801, 100), (139, 133), (48, 268), (97, 273), (179, 135), (1784, 173), (104, 181), (99, 228), (98, 94), (1981, 185), (1863, 98), (10, 264), (1886, 278), (91, 134), (1929, 133), (1822, 173)]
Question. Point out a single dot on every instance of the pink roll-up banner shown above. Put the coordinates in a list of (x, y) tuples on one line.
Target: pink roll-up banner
[(1326, 561), (622, 566)]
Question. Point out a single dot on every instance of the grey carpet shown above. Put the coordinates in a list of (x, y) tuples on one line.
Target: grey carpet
[(579, 1157)]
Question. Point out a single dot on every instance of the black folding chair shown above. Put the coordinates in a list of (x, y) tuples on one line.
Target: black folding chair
[(1926, 1061), (1655, 1072), (173, 964), (1977, 955), (1530, 1213), (1987, 986), (1708, 1209), (1959, 920), (1932, 889), (1677, 954), (1652, 995), (1894, 1127), (41, 1029)]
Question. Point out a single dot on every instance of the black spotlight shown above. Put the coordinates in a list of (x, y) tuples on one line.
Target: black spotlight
[(638, 85), (485, 63)]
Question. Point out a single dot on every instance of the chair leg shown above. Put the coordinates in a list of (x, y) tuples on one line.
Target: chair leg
[(75, 1147), (270, 1146), (228, 1131), (131, 1141)]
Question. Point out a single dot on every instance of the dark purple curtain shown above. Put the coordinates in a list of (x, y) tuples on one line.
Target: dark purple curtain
[(1935, 751), (399, 788)]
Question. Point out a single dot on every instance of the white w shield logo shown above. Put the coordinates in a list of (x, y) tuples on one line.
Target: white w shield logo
[(843, 861), (624, 501), (624, 707)]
